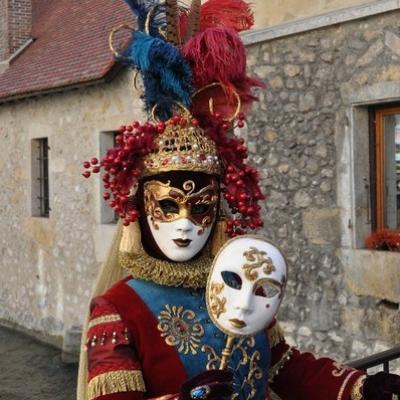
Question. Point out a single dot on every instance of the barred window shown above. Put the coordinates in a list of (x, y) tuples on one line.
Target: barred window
[(40, 178)]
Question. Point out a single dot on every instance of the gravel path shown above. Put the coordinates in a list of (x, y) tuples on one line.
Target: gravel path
[(30, 370)]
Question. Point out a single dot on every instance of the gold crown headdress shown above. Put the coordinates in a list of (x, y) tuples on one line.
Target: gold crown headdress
[(182, 146)]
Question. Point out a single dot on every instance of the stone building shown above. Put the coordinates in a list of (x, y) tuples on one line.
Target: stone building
[(328, 76)]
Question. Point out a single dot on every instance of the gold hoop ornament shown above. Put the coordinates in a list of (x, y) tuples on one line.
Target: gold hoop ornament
[(211, 100), (179, 105), (111, 37)]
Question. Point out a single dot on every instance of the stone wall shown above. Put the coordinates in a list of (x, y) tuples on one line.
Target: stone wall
[(299, 135), (48, 264)]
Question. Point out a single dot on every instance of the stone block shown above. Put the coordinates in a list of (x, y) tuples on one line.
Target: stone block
[(371, 54), (372, 273), (393, 42), (322, 226), (307, 102), (292, 70)]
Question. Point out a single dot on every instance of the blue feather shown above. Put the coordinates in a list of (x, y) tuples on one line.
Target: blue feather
[(141, 9), (166, 74)]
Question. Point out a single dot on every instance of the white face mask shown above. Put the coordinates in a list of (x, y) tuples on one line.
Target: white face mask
[(180, 218), (246, 285), (179, 240)]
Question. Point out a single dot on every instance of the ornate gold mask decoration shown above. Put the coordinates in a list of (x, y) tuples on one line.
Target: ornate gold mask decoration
[(257, 259), (165, 203)]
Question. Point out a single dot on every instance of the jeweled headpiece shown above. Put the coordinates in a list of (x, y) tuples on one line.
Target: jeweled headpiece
[(183, 146), (193, 68)]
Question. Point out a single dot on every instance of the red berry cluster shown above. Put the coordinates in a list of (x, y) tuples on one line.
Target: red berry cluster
[(241, 181), (123, 166)]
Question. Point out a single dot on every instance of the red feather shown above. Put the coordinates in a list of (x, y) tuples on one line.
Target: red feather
[(218, 55), (234, 14)]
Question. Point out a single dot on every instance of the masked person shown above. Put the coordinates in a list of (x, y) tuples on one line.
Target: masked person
[(149, 334)]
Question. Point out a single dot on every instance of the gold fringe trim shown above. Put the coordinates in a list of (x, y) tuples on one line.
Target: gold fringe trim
[(131, 239), (275, 335), (191, 274), (115, 382), (357, 391), (104, 320)]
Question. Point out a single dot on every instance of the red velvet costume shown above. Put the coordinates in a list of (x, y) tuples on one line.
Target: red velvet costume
[(129, 359)]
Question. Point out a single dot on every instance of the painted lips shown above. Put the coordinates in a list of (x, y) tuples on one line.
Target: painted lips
[(182, 242), (237, 323)]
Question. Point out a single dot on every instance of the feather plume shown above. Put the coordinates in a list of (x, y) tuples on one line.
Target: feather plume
[(172, 17), (166, 74), (193, 20), (142, 8), (218, 55), (234, 14)]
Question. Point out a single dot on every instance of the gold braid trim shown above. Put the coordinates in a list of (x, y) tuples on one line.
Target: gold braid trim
[(274, 370), (191, 274), (104, 320), (275, 335), (357, 391), (115, 382)]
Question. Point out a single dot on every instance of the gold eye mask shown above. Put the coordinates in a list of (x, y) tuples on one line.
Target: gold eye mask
[(165, 203)]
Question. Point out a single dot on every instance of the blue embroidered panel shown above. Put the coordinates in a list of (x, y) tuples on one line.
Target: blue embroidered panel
[(185, 324)]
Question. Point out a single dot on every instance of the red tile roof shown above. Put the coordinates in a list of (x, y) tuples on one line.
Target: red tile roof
[(70, 47)]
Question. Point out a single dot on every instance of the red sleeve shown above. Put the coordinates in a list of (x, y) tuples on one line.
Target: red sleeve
[(114, 372), (295, 376)]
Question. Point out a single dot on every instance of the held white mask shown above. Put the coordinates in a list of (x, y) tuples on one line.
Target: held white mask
[(246, 285)]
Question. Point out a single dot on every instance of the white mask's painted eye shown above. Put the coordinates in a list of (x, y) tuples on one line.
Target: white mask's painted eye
[(266, 289), (232, 279)]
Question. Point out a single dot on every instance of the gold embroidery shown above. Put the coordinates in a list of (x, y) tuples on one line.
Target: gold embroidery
[(274, 370), (179, 329), (256, 260), (115, 382), (275, 335), (217, 303), (213, 359), (254, 371), (357, 391), (104, 319), (191, 274), (344, 384)]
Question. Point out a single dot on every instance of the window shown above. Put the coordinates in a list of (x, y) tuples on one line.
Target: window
[(107, 140), (386, 169), (40, 178)]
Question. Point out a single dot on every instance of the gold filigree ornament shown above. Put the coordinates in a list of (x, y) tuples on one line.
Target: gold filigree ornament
[(217, 302), (257, 259), (180, 329), (185, 199), (245, 358), (182, 148)]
